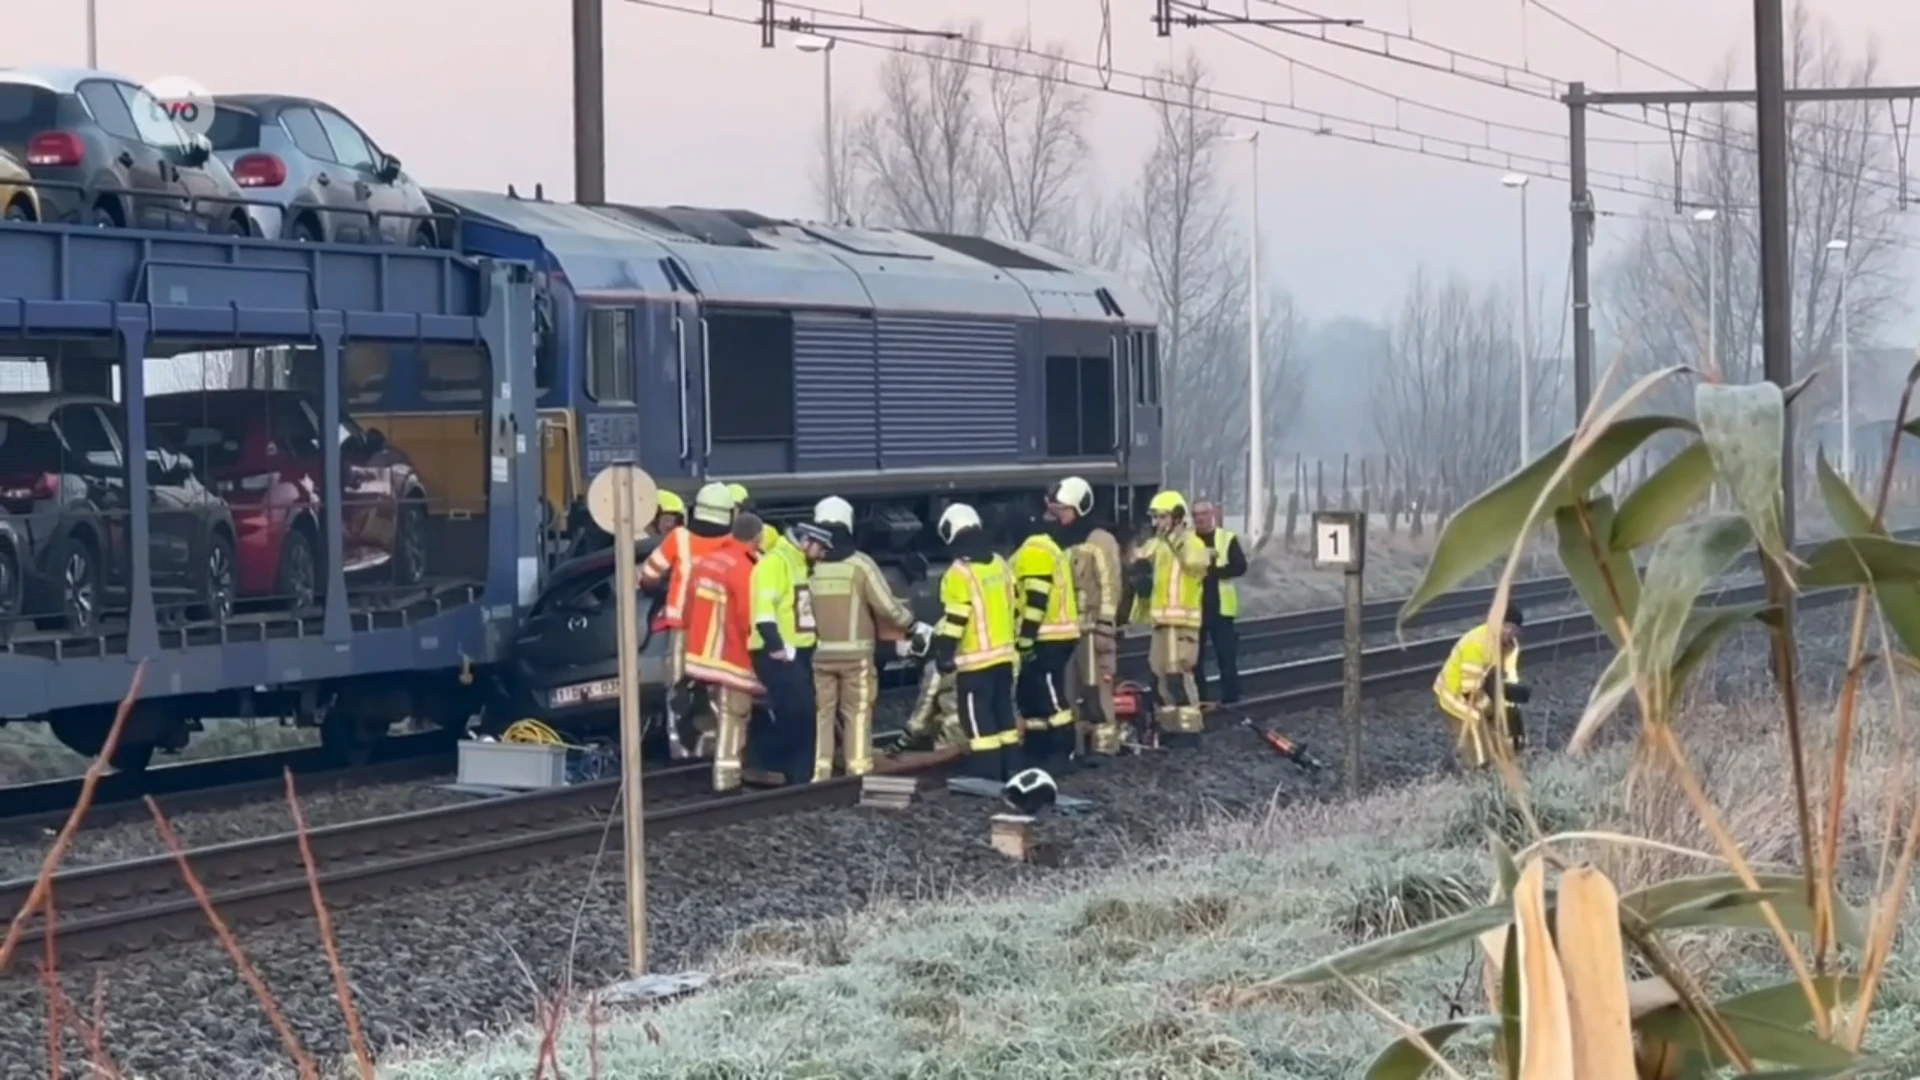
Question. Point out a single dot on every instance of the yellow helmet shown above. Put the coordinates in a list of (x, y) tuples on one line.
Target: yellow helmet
[(672, 504), (739, 493), (1167, 502)]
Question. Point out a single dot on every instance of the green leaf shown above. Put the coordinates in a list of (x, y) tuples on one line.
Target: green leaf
[(1744, 428), (1484, 530), (1781, 1044), (1510, 1033), (1683, 562), (1577, 555), (1503, 862), (1786, 1002), (1405, 945), (1664, 499), (1711, 910), (1860, 560), (1403, 1059), (1706, 629), (1653, 902), (1612, 688), (1830, 1073), (1899, 601)]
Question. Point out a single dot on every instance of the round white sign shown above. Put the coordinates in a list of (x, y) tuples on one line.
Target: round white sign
[(602, 492), (182, 102)]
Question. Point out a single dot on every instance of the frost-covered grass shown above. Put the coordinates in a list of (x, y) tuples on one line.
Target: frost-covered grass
[(1162, 968)]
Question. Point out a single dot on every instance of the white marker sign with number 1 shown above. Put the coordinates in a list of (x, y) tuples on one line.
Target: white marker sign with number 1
[(1333, 543)]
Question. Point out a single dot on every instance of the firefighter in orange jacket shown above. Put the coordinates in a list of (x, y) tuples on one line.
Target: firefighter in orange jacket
[(668, 570), (719, 623)]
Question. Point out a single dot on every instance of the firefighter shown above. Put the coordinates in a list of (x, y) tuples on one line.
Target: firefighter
[(1049, 634), (1465, 688), (671, 515), (934, 723), (718, 624), (974, 642), (1172, 566), (668, 569), (745, 502), (851, 601), (1095, 556), (782, 644), (1219, 603)]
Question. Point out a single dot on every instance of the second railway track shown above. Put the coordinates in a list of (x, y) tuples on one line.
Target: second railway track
[(109, 910)]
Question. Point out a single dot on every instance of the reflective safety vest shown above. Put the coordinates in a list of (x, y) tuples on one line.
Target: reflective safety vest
[(978, 598), (851, 596), (1229, 593), (1180, 564), (1040, 566), (676, 556), (1463, 677), (717, 618), (782, 596)]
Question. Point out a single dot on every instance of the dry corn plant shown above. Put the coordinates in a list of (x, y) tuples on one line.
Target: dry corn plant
[(1558, 937)]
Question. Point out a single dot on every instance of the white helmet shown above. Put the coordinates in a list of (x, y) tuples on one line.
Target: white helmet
[(713, 504), (1073, 493), (834, 510), (957, 519), (1030, 792)]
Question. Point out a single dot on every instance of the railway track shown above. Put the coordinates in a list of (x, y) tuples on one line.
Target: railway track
[(225, 782), (111, 910)]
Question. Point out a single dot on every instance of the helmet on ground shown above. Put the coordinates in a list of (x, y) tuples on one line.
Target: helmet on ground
[(1167, 502), (1030, 791), (806, 532), (834, 510), (713, 503), (1073, 493), (739, 493), (957, 519), (672, 504)]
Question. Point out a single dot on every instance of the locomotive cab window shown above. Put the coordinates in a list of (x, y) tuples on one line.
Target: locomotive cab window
[(1145, 367), (609, 359)]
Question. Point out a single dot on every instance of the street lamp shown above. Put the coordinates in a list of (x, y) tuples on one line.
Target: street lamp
[(1256, 421), (812, 43), (1519, 181), (1839, 246), (93, 34), (1708, 217)]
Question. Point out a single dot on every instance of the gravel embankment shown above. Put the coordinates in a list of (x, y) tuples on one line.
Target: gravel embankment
[(439, 964), (268, 816)]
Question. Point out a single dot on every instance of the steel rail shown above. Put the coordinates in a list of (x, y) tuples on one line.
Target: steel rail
[(109, 910)]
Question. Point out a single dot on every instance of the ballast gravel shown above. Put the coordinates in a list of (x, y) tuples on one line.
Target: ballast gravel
[(440, 964), (135, 838)]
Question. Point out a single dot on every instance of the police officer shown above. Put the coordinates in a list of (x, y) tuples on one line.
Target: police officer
[(851, 601), (1173, 565), (1219, 602), (668, 570), (719, 626), (782, 644), (1048, 637), (974, 641), (1095, 557)]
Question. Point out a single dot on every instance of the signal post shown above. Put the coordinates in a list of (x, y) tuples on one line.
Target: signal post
[(1340, 541)]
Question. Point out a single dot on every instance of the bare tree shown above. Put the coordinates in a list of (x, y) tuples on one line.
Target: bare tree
[(1842, 166), (1188, 263), (1036, 139), (1446, 396), (923, 150), (1220, 419), (838, 183)]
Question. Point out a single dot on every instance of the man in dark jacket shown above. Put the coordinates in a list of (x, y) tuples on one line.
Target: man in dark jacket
[(1219, 603)]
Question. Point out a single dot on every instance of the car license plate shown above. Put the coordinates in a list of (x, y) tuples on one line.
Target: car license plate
[(592, 691)]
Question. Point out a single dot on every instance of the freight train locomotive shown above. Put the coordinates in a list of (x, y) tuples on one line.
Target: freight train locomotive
[(366, 459)]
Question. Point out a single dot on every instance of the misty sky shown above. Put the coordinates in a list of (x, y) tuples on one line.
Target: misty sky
[(475, 93)]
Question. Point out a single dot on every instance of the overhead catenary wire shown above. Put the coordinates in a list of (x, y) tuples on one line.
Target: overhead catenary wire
[(1227, 104)]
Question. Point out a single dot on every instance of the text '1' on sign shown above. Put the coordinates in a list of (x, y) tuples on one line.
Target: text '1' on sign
[(1336, 539)]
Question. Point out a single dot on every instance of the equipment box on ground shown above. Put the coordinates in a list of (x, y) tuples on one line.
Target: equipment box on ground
[(518, 766)]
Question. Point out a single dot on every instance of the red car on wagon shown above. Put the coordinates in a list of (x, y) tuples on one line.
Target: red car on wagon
[(261, 450)]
